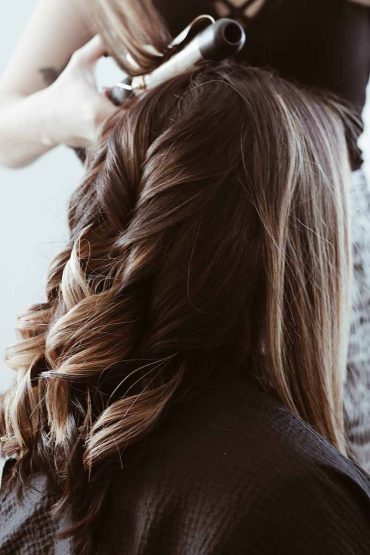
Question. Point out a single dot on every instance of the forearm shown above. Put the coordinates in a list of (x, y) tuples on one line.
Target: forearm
[(23, 128)]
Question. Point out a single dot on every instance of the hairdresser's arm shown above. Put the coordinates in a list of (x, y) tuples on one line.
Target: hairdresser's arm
[(42, 105)]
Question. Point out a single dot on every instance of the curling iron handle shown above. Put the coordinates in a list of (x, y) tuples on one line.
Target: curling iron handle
[(216, 42)]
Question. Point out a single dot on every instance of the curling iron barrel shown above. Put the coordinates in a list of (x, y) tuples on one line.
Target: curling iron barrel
[(219, 40)]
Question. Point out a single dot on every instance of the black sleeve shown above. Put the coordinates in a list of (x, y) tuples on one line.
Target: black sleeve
[(320, 510)]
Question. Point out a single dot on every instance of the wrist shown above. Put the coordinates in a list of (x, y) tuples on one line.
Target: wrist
[(47, 118)]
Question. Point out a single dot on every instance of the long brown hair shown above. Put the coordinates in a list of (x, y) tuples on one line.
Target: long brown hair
[(129, 28), (211, 230)]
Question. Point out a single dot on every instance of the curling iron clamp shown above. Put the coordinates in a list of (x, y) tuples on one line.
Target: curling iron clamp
[(203, 39)]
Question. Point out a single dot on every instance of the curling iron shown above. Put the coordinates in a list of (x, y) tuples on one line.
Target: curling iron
[(203, 39)]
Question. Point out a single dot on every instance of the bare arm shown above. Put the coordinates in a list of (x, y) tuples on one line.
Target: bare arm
[(28, 119)]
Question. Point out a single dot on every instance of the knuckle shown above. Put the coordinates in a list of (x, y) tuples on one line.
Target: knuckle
[(76, 57)]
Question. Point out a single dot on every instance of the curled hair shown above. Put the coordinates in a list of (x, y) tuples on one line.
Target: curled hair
[(210, 235)]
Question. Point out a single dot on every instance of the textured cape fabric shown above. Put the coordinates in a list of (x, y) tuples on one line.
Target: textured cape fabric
[(231, 471), (29, 529), (228, 471)]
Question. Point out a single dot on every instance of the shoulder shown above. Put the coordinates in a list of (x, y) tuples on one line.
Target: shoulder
[(304, 509), (233, 469), (281, 479), (234, 425)]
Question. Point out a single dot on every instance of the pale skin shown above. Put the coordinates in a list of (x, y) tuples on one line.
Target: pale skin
[(48, 93), (35, 115)]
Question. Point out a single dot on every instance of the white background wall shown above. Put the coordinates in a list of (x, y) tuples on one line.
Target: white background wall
[(33, 204)]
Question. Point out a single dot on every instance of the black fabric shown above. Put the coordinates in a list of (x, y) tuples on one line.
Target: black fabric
[(319, 43), (228, 471), (29, 528), (231, 471)]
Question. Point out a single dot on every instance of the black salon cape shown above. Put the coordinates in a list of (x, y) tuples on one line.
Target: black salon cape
[(228, 471), (231, 471)]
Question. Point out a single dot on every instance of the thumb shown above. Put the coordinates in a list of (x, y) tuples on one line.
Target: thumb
[(91, 51)]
